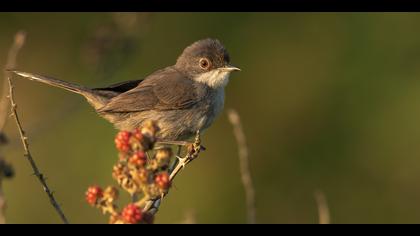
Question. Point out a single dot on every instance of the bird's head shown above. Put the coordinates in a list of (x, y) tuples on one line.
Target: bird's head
[(206, 61)]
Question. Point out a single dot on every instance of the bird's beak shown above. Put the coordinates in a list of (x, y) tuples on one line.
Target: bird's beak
[(231, 68)]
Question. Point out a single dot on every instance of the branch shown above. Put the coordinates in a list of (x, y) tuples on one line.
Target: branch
[(323, 210), (244, 165), (152, 206), (18, 43), (5, 169), (28, 155)]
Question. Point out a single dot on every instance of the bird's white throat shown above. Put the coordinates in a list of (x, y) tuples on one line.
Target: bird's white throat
[(215, 78)]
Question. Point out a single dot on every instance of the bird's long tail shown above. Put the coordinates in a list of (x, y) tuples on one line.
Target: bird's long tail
[(96, 100), (53, 82)]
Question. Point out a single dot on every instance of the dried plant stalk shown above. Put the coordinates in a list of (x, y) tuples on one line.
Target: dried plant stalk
[(18, 43), (323, 210), (244, 165)]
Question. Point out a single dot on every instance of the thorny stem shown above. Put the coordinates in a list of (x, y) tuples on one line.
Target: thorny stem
[(194, 149), (28, 155)]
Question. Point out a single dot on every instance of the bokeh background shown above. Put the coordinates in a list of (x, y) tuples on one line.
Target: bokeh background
[(328, 101)]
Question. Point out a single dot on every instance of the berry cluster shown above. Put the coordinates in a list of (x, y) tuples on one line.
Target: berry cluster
[(141, 170)]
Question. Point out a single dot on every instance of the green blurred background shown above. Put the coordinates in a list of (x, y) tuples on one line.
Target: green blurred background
[(328, 102)]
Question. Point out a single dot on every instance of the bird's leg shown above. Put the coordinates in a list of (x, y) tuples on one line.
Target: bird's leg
[(178, 143)]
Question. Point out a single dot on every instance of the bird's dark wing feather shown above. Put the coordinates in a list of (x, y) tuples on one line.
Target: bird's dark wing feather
[(115, 89), (166, 89), (121, 87)]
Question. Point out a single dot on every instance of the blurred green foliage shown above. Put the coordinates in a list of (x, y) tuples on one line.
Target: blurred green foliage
[(328, 101)]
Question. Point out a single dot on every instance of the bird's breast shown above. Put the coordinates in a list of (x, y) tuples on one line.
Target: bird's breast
[(212, 108), (219, 101)]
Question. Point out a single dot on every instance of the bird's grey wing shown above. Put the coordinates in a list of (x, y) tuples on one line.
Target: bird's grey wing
[(177, 92), (165, 90)]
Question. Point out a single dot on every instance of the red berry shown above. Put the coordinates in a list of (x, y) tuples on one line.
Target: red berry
[(122, 141), (138, 135), (124, 135), (162, 180), (138, 159), (132, 214), (93, 194)]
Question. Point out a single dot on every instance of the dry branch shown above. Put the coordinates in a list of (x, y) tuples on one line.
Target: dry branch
[(19, 41), (6, 169), (323, 210), (28, 155), (244, 165)]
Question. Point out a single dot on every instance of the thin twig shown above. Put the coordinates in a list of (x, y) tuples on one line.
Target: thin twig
[(244, 165), (5, 169), (152, 206), (18, 43), (28, 155), (323, 210)]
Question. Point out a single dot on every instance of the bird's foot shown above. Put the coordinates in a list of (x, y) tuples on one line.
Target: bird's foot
[(177, 143), (195, 148), (182, 143)]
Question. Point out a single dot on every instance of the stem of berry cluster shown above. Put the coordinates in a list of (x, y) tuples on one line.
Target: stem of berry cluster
[(193, 150)]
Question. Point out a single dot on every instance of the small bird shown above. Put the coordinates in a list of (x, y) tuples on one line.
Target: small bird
[(183, 98)]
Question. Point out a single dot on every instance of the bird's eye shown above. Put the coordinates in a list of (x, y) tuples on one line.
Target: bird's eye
[(204, 63)]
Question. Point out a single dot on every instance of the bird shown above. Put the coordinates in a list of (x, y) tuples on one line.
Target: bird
[(184, 98)]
